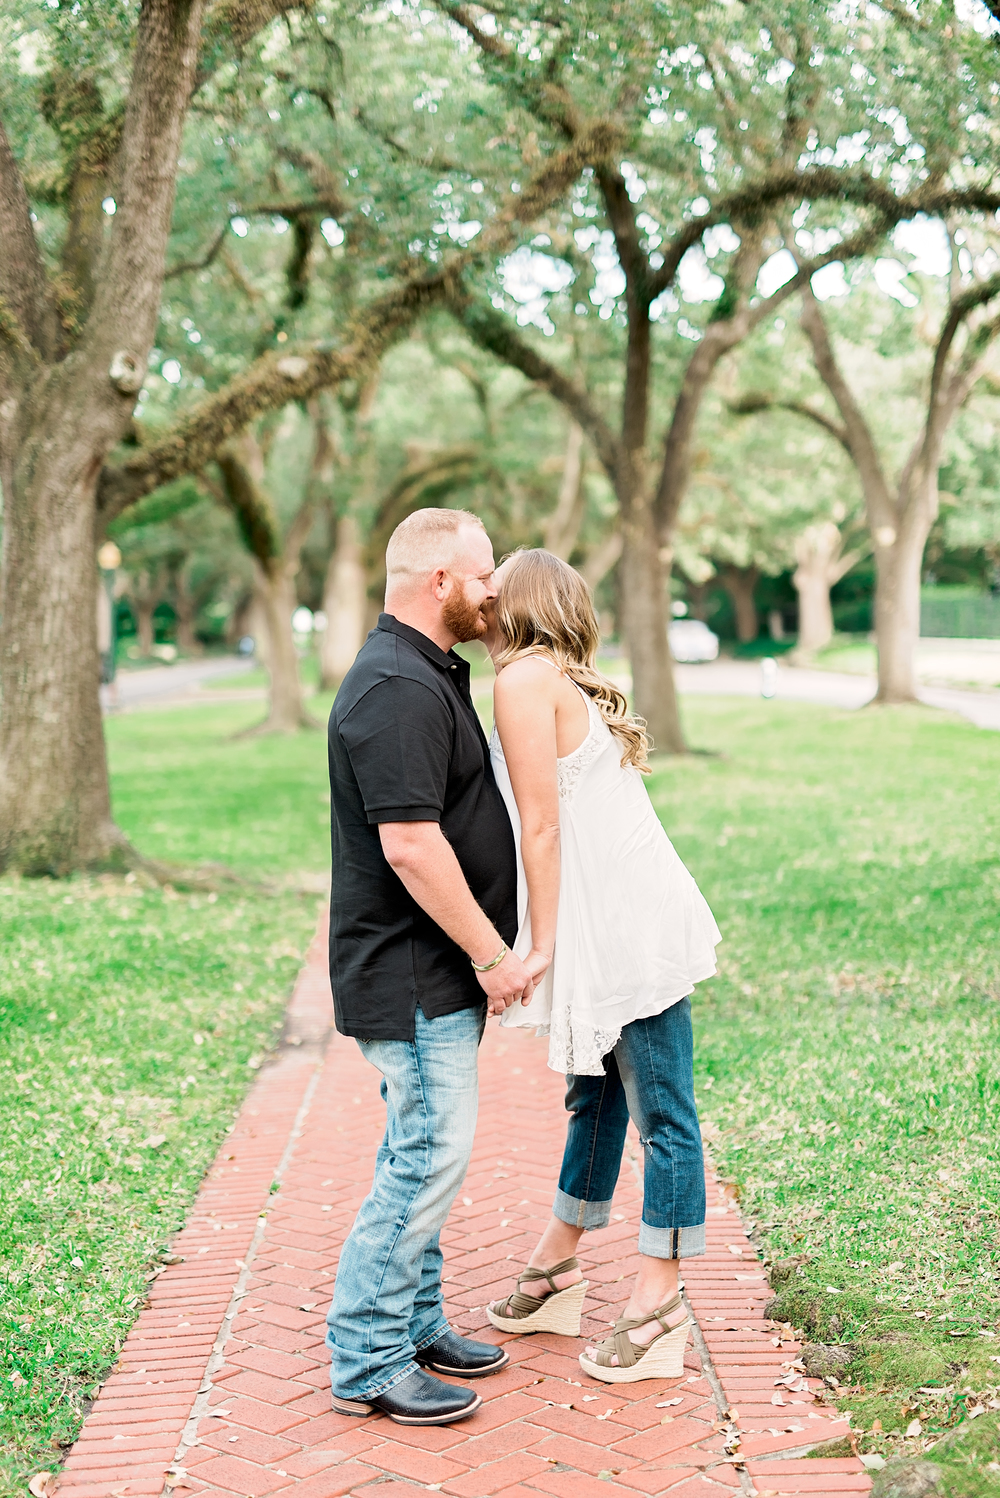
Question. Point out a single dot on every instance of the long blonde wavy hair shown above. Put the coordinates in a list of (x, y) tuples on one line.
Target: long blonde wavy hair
[(544, 608)]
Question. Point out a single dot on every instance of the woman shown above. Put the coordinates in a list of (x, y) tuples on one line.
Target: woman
[(616, 934)]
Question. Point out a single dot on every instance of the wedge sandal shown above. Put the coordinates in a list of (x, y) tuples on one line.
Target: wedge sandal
[(661, 1358), (559, 1312)]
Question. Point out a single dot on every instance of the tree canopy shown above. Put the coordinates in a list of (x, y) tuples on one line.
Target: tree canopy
[(213, 213)]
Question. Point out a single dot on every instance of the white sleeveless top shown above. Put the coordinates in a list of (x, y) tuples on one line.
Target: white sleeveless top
[(634, 934)]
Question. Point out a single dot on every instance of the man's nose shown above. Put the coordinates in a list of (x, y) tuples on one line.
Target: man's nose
[(491, 586)]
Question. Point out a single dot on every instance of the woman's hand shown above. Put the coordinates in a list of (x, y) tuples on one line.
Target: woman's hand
[(537, 963)]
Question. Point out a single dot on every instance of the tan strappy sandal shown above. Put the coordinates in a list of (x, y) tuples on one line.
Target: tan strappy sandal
[(661, 1358), (559, 1312)]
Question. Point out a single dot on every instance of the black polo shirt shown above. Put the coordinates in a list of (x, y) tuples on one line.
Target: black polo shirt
[(406, 745)]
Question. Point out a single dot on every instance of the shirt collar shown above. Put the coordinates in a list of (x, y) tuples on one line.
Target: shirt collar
[(444, 660)]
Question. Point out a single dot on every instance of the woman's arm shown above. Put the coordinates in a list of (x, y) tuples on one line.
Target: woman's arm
[(524, 701)]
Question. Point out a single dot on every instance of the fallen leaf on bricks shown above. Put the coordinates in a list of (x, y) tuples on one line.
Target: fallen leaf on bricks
[(41, 1484)]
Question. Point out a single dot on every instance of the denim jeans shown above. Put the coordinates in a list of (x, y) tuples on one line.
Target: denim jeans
[(649, 1075), (387, 1298)]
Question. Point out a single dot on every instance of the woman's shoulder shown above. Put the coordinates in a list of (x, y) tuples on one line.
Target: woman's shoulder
[(534, 674)]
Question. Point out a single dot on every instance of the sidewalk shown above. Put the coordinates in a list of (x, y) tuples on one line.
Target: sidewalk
[(222, 1387)]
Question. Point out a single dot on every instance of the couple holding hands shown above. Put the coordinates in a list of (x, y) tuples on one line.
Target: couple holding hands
[(526, 877)]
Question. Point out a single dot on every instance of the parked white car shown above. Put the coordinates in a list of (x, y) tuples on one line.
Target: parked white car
[(692, 641)]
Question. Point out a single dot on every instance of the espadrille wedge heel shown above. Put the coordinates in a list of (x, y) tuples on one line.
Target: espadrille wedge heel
[(558, 1312), (661, 1358)]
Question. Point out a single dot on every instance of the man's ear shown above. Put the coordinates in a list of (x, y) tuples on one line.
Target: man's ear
[(439, 584)]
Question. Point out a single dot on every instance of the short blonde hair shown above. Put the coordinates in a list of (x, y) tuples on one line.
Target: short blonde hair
[(424, 541)]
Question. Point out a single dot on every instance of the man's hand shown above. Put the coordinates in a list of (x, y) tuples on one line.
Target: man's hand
[(508, 981)]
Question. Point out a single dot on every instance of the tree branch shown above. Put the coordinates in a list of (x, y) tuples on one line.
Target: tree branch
[(206, 260), (849, 559), (860, 442), (816, 183), (848, 249), (907, 17), (25, 303), (749, 405), (250, 503), (230, 24), (492, 331), (549, 101), (275, 379), (126, 301), (324, 182), (958, 311)]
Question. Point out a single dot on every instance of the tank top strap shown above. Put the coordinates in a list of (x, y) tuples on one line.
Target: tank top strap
[(591, 705)]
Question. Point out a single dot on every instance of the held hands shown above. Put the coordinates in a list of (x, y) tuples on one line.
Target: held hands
[(508, 981), (537, 962)]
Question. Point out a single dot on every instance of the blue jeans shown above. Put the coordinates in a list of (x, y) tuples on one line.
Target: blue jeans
[(649, 1075), (387, 1298)]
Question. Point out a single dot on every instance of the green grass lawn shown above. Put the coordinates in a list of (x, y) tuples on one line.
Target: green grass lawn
[(855, 654), (130, 1015), (847, 1056), (848, 1066)]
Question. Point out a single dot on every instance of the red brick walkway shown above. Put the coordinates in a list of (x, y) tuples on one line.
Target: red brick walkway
[(222, 1387)]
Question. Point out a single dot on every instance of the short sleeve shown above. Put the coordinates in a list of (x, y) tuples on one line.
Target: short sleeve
[(399, 739)]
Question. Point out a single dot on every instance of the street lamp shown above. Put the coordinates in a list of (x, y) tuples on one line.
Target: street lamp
[(109, 559)]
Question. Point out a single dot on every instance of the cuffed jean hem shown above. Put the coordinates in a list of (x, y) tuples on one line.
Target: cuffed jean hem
[(671, 1243), (578, 1214), (434, 1337), (386, 1385)]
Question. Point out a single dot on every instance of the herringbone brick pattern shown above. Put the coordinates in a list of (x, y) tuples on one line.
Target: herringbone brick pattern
[(223, 1386)]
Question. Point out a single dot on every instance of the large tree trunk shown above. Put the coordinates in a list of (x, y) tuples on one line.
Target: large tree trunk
[(55, 809), (821, 562), (275, 591), (698, 594), (600, 559), (812, 584), (241, 463), (897, 608), (61, 418), (345, 604), (186, 609), (817, 552), (144, 624), (739, 583), (561, 528), (644, 619)]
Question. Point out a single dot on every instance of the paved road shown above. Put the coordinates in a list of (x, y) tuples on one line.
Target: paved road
[(180, 682), (832, 688), (185, 682)]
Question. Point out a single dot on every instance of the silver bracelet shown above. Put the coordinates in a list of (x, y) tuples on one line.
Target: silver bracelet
[(486, 967)]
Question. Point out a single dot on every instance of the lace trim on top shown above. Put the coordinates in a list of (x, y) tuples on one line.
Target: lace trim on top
[(576, 1048), (570, 768)]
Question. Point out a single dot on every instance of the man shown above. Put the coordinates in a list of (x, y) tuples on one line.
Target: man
[(422, 910)]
